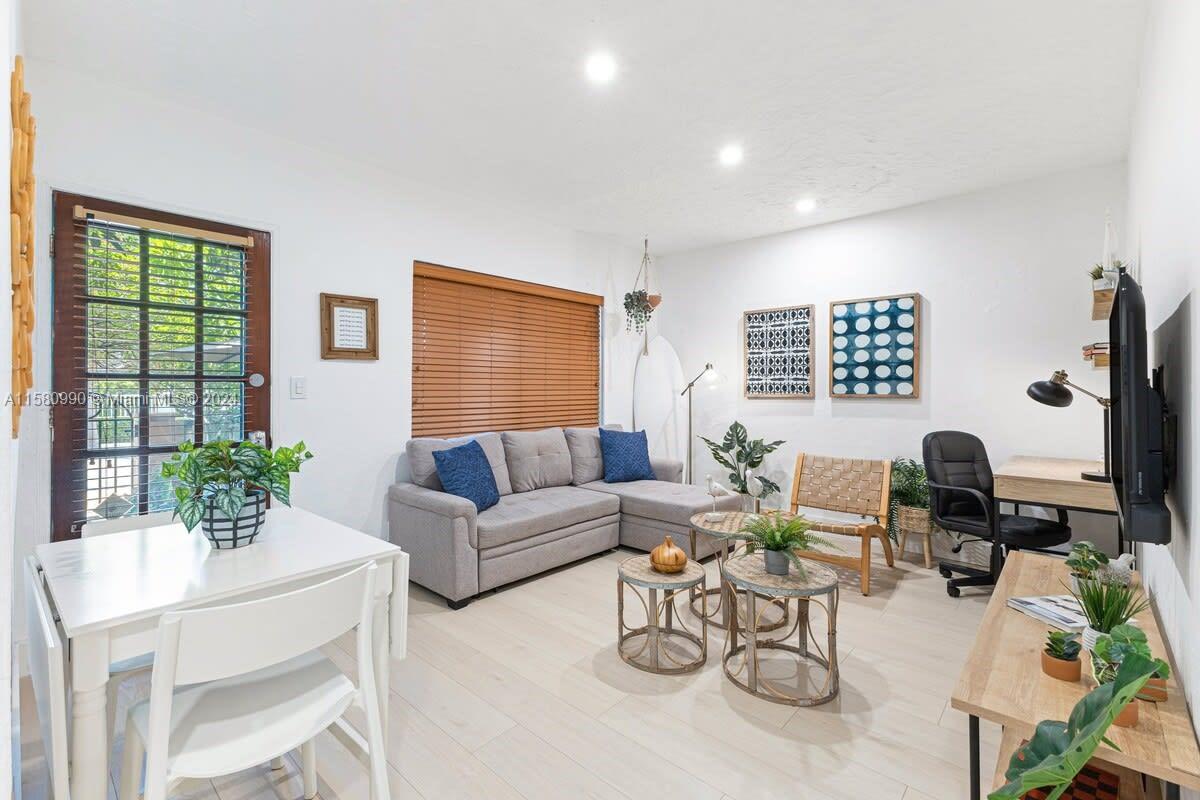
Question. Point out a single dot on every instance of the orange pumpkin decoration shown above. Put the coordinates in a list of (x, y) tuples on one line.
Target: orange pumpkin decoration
[(668, 557)]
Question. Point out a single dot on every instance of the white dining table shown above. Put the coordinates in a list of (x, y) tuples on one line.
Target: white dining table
[(109, 592)]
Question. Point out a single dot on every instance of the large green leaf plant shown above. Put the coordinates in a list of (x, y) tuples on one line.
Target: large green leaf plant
[(1058, 751), (223, 474), (737, 452)]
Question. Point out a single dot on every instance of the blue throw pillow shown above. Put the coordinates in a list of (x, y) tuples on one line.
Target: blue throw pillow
[(626, 456), (465, 471)]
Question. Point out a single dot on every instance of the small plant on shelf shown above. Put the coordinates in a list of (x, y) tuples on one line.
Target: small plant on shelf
[(1086, 561), (1123, 643), (1097, 272), (1107, 605), (910, 490), (779, 536), (1060, 656)]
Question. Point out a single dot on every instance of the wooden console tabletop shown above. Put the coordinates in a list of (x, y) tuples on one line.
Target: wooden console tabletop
[(1054, 482), (1002, 680)]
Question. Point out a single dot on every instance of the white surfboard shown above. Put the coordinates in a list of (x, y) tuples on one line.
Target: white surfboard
[(657, 406)]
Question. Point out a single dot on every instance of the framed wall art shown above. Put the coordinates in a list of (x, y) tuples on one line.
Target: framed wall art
[(778, 352), (875, 347), (349, 327)]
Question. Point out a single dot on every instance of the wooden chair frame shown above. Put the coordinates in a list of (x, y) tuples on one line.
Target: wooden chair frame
[(864, 506)]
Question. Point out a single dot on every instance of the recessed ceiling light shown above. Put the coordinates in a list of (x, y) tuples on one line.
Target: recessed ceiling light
[(731, 155), (601, 67), (806, 205)]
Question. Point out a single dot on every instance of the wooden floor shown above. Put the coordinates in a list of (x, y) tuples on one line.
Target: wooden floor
[(522, 695)]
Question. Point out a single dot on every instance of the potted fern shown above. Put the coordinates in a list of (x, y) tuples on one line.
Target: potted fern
[(222, 486), (779, 536), (908, 506)]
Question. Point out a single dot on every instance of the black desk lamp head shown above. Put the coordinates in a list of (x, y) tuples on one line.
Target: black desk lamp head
[(1056, 392)]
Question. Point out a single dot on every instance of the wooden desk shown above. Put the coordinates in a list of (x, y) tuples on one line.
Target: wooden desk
[(111, 590), (1053, 482), (1002, 681)]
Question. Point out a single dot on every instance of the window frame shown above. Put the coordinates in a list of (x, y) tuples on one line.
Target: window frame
[(69, 380)]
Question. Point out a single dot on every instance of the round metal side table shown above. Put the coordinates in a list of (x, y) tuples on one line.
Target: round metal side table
[(743, 663), (721, 613), (667, 646)]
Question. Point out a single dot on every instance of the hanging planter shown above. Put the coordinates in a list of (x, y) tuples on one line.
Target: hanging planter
[(640, 303)]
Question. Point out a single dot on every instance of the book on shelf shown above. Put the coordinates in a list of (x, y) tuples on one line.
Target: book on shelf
[(1061, 611)]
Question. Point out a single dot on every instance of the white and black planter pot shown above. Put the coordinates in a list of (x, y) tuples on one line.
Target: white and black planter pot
[(225, 533)]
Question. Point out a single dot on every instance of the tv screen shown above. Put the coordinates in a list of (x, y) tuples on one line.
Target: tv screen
[(1136, 421)]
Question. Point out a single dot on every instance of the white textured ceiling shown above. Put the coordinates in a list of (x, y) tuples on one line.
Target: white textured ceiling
[(863, 104)]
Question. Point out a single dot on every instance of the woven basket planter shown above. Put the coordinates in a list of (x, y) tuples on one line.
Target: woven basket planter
[(225, 533), (914, 520)]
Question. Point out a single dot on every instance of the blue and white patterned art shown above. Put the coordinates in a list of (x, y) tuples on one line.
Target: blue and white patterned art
[(779, 352), (874, 347)]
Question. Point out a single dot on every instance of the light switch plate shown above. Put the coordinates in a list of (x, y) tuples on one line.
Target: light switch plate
[(299, 387)]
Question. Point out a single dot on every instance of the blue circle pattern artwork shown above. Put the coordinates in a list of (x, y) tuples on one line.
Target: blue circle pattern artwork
[(875, 347)]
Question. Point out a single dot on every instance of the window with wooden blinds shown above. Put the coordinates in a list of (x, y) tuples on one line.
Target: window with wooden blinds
[(496, 354), (161, 335)]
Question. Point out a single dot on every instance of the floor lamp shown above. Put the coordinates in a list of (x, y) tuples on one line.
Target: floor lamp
[(710, 373), (1054, 392)]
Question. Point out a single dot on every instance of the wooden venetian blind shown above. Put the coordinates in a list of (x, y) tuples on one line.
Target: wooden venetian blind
[(495, 354)]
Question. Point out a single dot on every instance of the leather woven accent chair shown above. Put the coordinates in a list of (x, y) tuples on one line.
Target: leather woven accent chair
[(962, 501)]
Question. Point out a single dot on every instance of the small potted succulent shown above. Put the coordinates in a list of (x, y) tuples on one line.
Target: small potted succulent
[(222, 486), (1086, 562), (779, 536), (1113, 648), (1060, 656), (1107, 605)]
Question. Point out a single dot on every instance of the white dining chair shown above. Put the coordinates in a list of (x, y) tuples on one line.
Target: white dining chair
[(237, 685), (120, 671), (47, 669)]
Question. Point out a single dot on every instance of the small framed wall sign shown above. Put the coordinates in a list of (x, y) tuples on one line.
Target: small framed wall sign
[(778, 352), (349, 327), (875, 347)]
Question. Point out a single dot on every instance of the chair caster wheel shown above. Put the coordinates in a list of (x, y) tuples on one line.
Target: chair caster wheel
[(944, 572), (953, 591)]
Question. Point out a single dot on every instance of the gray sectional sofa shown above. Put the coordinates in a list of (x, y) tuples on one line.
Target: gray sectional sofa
[(554, 508)]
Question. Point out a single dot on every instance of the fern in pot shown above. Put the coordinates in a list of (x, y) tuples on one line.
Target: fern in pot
[(223, 486), (908, 504), (779, 536)]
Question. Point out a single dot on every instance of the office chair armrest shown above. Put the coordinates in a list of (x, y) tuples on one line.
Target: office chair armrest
[(983, 499)]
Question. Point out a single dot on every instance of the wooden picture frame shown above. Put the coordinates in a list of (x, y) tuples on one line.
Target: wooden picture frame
[(349, 327), (914, 380), (797, 317)]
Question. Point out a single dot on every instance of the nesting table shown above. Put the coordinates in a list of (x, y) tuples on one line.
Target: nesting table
[(727, 597), (743, 663), (665, 630)]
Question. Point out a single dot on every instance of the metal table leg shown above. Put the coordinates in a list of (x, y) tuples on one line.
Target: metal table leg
[(974, 736)]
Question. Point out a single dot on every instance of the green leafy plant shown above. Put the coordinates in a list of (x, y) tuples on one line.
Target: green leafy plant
[(1120, 643), (222, 474), (1058, 751), (910, 487), (638, 309), (1107, 605), (737, 452), (781, 533), (1063, 645), (1085, 560), (1097, 272)]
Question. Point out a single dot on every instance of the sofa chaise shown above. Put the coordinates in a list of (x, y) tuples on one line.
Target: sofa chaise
[(555, 508)]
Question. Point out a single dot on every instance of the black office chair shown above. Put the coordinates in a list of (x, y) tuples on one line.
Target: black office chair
[(961, 500)]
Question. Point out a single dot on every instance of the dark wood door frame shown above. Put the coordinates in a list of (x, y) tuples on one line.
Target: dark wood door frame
[(69, 418)]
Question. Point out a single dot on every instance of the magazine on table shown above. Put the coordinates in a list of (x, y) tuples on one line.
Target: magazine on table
[(1060, 610)]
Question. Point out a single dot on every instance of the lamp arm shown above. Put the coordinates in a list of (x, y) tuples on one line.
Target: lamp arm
[(688, 388), (1104, 401)]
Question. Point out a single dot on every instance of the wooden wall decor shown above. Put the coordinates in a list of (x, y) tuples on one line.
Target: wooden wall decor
[(349, 327), (21, 192)]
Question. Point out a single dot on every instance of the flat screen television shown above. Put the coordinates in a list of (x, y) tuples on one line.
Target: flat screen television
[(1137, 422)]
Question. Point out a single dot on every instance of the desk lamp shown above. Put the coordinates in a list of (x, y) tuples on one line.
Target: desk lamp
[(1055, 392)]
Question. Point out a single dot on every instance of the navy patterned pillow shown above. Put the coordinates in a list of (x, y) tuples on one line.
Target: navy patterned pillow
[(626, 456), (465, 471)]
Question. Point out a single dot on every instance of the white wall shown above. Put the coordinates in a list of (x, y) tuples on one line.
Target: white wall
[(1164, 196), (336, 226), (1006, 301)]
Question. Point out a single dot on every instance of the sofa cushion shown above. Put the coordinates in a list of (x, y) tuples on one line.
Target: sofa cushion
[(626, 456), (464, 471), (524, 514), (537, 459), (660, 500), (587, 462), (424, 471)]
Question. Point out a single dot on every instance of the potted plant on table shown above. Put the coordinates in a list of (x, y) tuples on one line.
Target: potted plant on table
[(740, 454), (1113, 648), (1060, 656), (1059, 751), (1107, 605), (779, 536), (222, 486), (1086, 562)]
